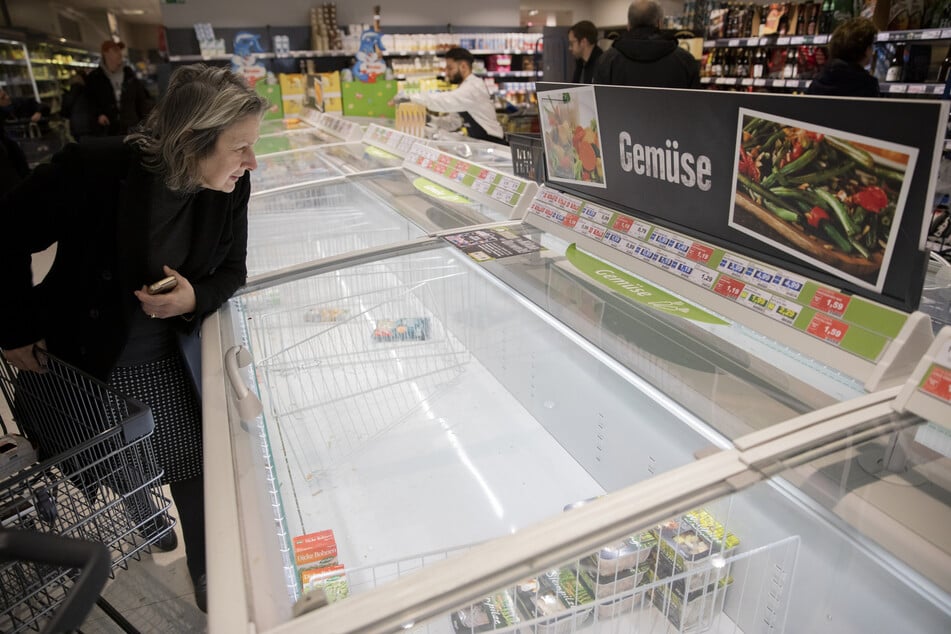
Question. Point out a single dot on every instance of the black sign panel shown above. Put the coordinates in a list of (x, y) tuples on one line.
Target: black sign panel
[(834, 189)]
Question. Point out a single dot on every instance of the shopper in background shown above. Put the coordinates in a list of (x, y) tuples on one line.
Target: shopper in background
[(644, 56), (118, 99), (850, 51), (470, 99), (583, 44), (13, 164), (170, 200), (76, 107)]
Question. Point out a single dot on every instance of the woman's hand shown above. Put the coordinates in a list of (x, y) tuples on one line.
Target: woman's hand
[(178, 301), (31, 357)]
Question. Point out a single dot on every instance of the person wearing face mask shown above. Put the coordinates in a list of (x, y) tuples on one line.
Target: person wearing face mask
[(470, 99), (168, 201), (117, 98)]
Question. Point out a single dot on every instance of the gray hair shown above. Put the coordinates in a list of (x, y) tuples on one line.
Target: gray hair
[(184, 126), (644, 13)]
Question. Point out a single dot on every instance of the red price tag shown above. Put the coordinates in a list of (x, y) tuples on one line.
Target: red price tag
[(622, 224), (462, 167), (938, 383), (454, 175), (440, 169), (728, 287), (830, 302), (483, 175), (570, 220), (699, 253), (824, 327), (443, 158)]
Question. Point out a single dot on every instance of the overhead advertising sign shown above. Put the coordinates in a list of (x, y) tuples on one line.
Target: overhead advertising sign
[(837, 190)]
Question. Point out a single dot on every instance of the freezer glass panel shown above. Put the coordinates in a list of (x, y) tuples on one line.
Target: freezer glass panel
[(492, 155), (319, 221), (418, 389), (283, 125), (759, 561), (289, 168), (292, 140), (734, 379), (358, 157)]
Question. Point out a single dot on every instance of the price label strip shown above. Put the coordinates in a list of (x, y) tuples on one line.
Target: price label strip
[(511, 194), (393, 141), (928, 392), (852, 324), (340, 128)]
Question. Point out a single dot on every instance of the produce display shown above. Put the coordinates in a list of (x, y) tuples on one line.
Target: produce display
[(832, 199), (572, 142)]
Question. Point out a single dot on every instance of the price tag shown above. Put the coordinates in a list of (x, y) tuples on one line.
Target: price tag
[(481, 186), (728, 287), (723, 80), (703, 277), (945, 34), (755, 299), (570, 221), (898, 88), (601, 216), (509, 184), (932, 34), (782, 41), (699, 253), (797, 40), (733, 43), (781, 310), (759, 82), (760, 276), (829, 301), (937, 89), (709, 43), (821, 39), (733, 265), (622, 223), (827, 329), (590, 229), (763, 41), (779, 83), (645, 253), (746, 81), (917, 89), (639, 230), (938, 383)]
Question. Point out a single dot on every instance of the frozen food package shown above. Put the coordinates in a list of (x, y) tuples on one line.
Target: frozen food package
[(326, 314), (623, 596), (689, 542), (495, 612), (315, 550), (621, 556), (402, 329), (335, 586), (558, 593), (693, 611)]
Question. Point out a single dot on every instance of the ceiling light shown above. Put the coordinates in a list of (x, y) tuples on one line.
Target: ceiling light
[(533, 12), (132, 11)]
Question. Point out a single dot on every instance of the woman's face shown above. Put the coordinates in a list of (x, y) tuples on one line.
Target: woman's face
[(232, 157)]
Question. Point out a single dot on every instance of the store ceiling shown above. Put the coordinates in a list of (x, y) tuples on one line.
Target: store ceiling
[(136, 11)]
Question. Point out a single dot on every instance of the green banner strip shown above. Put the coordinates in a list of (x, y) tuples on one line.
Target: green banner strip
[(875, 318), (438, 191), (637, 289), (868, 345)]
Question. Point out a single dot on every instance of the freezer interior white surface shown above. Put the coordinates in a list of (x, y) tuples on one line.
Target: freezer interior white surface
[(351, 158), (290, 168)]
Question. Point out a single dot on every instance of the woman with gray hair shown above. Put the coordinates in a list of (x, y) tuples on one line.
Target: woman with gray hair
[(167, 203)]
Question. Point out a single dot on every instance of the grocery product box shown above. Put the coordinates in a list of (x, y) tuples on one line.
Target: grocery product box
[(556, 594), (622, 593), (495, 612), (693, 611), (330, 579), (292, 84), (271, 92), (332, 96), (293, 105), (403, 329), (314, 92), (624, 555), (688, 543), (315, 550), (363, 99)]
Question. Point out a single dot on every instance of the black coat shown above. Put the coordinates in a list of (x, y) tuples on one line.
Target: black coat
[(840, 78), (584, 70), (645, 57), (132, 108), (92, 199)]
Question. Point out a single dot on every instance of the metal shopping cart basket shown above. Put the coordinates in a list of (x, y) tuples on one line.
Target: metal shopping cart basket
[(97, 480)]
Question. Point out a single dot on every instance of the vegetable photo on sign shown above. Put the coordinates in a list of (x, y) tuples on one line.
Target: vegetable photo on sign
[(569, 120), (827, 197)]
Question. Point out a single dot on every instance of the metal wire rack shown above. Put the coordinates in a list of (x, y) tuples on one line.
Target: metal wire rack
[(98, 481), (342, 357)]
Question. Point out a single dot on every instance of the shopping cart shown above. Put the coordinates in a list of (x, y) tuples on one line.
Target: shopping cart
[(97, 480)]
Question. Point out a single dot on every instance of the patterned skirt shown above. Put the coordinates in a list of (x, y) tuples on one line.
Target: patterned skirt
[(166, 387)]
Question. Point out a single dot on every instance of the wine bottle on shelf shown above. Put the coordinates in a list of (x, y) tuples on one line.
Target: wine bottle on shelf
[(791, 69), (812, 26), (945, 69), (896, 65), (718, 63), (759, 64)]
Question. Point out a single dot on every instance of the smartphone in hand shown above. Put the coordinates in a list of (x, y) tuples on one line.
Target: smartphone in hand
[(164, 285)]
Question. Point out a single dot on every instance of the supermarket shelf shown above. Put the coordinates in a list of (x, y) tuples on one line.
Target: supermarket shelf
[(476, 52), (895, 89), (50, 62), (12, 62), (913, 35), (289, 54)]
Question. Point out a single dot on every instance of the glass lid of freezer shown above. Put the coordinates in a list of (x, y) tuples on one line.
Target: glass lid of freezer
[(485, 153), (286, 169), (291, 140), (273, 126), (352, 158)]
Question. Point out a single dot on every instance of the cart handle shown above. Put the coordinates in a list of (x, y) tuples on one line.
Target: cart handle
[(92, 558), (247, 402)]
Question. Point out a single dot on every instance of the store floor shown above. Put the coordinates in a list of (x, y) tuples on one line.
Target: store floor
[(154, 594)]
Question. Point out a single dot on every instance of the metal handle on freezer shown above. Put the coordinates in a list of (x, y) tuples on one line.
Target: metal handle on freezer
[(249, 406)]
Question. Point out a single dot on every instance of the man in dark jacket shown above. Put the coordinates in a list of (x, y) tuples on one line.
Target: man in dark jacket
[(116, 97), (643, 56), (850, 50), (583, 45)]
